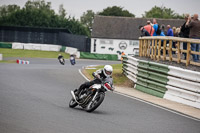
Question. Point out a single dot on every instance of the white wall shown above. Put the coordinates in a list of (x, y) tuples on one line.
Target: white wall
[(114, 46)]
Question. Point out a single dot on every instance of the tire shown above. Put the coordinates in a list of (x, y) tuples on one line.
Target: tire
[(72, 103), (98, 100)]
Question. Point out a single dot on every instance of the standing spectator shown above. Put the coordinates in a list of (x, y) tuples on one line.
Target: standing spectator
[(162, 34), (185, 34), (194, 26), (149, 28), (156, 27), (144, 32), (174, 31), (162, 30), (177, 32), (122, 54), (170, 33)]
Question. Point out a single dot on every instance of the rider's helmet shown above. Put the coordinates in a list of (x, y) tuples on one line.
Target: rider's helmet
[(107, 70)]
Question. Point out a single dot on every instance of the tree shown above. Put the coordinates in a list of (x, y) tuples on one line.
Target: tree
[(162, 12), (6, 10), (116, 11), (38, 13), (62, 11), (87, 18)]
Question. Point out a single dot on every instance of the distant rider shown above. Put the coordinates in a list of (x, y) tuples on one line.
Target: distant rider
[(103, 74), (61, 59)]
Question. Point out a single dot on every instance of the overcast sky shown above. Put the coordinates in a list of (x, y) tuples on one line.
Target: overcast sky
[(138, 7)]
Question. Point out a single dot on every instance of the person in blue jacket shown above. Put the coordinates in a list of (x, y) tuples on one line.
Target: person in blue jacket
[(170, 33)]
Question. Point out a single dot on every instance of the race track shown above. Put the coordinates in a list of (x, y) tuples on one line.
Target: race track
[(34, 99)]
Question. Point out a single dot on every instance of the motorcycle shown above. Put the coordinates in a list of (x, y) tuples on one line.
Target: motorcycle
[(90, 98), (62, 61), (72, 60)]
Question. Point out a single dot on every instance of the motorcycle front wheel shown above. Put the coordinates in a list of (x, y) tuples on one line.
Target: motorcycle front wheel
[(95, 104), (72, 103)]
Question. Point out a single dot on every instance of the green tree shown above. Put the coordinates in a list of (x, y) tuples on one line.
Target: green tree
[(39, 14), (87, 18), (162, 12), (6, 10), (116, 11), (62, 11)]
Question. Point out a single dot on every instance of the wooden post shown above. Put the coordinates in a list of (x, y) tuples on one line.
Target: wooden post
[(164, 50), (140, 47), (188, 54), (149, 48), (145, 48), (170, 50), (155, 49), (159, 48), (152, 47), (179, 53)]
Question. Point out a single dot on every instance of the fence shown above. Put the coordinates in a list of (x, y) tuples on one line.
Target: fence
[(161, 48), (56, 36), (164, 81)]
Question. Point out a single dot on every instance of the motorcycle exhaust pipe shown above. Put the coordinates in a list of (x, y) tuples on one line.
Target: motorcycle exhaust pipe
[(73, 95)]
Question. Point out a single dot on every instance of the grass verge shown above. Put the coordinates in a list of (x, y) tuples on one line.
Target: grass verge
[(31, 53), (118, 77)]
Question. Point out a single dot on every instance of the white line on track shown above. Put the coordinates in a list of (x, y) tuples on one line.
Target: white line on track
[(170, 110)]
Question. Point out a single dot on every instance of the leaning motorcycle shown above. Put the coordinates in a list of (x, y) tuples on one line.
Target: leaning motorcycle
[(62, 61), (90, 98)]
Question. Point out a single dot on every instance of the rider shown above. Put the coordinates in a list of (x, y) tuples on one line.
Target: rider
[(59, 56), (103, 74)]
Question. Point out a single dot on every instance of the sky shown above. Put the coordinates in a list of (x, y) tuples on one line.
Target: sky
[(76, 8)]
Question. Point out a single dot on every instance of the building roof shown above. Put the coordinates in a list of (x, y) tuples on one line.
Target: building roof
[(125, 27)]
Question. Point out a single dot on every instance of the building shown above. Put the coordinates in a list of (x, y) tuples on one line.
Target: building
[(112, 35)]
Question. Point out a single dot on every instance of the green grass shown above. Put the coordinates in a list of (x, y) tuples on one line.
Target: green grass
[(31, 53), (119, 78)]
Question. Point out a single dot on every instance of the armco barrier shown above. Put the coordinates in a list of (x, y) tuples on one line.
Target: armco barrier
[(164, 81), (1, 57), (35, 46), (86, 55), (5, 45), (16, 45)]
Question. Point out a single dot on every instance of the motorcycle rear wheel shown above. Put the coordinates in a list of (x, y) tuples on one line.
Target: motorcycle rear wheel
[(95, 104)]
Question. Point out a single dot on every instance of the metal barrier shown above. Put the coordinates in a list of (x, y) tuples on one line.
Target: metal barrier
[(157, 48), (164, 81)]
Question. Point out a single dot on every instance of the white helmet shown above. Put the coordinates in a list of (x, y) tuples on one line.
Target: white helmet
[(107, 70)]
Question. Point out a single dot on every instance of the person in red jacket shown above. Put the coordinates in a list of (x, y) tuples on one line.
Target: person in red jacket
[(149, 28)]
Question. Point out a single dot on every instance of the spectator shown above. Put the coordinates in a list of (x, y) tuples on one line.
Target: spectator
[(149, 28), (170, 33), (177, 32), (174, 31), (162, 34), (162, 30), (122, 54), (156, 27), (185, 34), (144, 32), (194, 26)]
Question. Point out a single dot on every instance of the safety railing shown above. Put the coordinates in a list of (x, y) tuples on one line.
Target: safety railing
[(160, 48), (169, 82)]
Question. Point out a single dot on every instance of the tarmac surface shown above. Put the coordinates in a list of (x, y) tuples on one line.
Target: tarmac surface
[(34, 99)]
